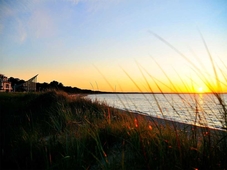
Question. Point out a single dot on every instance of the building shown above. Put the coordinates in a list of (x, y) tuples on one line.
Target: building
[(5, 84), (30, 85)]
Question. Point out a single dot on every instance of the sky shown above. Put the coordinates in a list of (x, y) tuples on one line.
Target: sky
[(116, 45)]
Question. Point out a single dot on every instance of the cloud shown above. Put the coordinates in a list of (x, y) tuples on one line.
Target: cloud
[(41, 24), (97, 5), (21, 31), (5, 13), (20, 20), (12, 27), (75, 1)]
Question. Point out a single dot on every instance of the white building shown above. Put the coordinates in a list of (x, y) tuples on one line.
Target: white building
[(5, 85)]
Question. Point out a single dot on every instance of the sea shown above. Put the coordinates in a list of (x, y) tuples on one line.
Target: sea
[(197, 109)]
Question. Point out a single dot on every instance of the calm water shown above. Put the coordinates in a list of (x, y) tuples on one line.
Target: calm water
[(199, 109)]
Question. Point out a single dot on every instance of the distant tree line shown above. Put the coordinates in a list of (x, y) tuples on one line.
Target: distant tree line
[(17, 85), (59, 86)]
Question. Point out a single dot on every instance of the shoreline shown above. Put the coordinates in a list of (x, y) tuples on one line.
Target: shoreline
[(174, 123), (177, 125)]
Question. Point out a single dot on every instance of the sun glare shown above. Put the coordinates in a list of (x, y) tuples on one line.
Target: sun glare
[(200, 90)]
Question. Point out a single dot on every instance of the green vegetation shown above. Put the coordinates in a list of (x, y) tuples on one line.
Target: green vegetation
[(53, 130)]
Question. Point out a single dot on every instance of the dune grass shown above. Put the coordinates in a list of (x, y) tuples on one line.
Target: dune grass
[(53, 130)]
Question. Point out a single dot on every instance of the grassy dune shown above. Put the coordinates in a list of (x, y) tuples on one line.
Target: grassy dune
[(52, 130)]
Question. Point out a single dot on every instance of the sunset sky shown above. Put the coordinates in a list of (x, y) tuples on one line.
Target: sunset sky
[(105, 44)]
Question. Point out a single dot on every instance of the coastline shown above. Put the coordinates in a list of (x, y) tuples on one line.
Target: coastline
[(166, 122), (189, 128)]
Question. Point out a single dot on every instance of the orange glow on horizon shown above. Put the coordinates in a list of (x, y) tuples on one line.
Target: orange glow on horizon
[(119, 82)]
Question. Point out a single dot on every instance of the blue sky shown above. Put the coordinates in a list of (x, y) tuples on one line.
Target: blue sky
[(72, 41)]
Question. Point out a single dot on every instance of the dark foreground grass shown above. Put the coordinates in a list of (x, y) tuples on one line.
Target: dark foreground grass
[(55, 131)]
